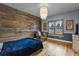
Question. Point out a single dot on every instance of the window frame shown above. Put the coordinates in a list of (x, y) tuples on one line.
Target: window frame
[(55, 34)]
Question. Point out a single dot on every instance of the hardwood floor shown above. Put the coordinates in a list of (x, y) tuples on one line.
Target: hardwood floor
[(56, 49)]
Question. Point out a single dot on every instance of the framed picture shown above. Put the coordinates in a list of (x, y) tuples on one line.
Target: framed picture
[(69, 25), (51, 27)]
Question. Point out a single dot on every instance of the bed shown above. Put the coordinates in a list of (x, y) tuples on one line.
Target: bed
[(22, 47)]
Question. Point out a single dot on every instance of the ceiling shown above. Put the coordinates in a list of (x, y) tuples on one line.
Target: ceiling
[(53, 8)]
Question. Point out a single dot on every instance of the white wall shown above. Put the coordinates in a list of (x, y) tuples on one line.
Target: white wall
[(70, 15)]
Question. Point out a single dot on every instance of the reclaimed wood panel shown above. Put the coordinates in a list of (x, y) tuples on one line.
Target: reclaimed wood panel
[(15, 24)]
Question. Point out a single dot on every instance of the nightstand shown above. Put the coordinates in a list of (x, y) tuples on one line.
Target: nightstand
[(43, 38)]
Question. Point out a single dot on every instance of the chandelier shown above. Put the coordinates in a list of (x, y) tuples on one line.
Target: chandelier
[(43, 11)]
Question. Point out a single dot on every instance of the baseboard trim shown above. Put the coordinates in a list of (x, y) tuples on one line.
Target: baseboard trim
[(60, 40)]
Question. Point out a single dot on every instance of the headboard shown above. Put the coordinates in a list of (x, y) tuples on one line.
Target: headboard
[(16, 36)]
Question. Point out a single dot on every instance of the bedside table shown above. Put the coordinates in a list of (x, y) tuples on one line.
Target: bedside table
[(43, 38)]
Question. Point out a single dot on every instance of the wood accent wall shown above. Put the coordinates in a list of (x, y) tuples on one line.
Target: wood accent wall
[(13, 22)]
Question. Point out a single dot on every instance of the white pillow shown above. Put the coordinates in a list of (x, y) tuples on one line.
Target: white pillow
[(1, 45), (39, 33)]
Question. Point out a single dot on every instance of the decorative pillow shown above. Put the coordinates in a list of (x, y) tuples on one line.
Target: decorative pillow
[(1, 45)]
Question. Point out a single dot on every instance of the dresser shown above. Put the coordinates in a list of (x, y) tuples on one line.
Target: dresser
[(75, 44)]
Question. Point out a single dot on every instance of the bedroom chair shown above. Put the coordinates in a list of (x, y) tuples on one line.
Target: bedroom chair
[(41, 36)]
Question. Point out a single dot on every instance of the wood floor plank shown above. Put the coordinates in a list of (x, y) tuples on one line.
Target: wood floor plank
[(56, 49)]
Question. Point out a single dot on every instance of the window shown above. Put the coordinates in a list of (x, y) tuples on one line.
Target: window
[(51, 27), (56, 27)]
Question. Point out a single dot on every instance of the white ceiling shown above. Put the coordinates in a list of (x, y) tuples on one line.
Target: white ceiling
[(53, 8)]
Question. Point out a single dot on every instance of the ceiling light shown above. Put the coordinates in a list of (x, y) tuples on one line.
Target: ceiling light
[(43, 11)]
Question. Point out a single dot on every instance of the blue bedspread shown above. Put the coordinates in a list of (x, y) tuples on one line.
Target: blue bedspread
[(22, 47)]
